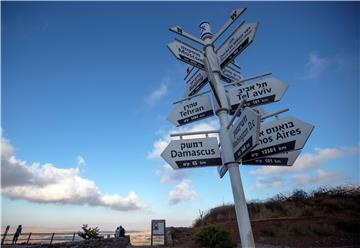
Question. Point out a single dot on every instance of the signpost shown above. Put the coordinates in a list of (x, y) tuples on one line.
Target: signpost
[(258, 93), (277, 143), (280, 159), (246, 133), (188, 153), (281, 135), (191, 110)]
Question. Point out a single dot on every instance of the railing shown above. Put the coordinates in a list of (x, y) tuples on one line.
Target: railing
[(50, 238)]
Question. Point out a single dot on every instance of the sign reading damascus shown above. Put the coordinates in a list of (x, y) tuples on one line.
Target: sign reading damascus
[(192, 153)]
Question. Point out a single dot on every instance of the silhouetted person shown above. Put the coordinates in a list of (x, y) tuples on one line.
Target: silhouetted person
[(17, 234), (122, 232), (117, 232)]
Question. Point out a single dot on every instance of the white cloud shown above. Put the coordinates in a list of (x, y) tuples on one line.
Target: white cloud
[(49, 184), (273, 182), (181, 192), (157, 94), (169, 175), (308, 161), (315, 65), (320, 177), (80, 160), (160, 145)]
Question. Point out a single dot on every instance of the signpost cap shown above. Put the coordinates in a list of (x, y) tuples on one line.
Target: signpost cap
[(205, 29)]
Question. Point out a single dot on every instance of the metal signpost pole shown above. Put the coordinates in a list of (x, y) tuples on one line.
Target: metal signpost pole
[(213, 70)]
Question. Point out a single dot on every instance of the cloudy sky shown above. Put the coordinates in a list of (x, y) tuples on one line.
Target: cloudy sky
[(86, 89)]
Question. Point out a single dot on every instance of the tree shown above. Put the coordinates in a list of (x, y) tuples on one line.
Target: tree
[(89, 232)]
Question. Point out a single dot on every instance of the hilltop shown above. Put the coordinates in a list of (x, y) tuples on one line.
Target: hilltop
[(325, 217)]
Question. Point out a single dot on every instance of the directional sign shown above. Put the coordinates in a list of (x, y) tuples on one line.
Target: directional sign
[(281, 135), (187, 53), (189, 153), (246, 133), (195, 83), (230, 75), (242, 36), (199, 79), (191, 110), (280, 159), (264, 91)]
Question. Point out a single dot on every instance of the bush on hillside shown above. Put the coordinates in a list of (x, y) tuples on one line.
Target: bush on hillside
[(89, 232), (213, 237)]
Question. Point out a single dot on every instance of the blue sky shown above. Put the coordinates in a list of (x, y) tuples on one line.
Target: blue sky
[(86, 89)]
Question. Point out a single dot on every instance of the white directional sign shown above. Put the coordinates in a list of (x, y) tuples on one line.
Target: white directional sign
[(189, 153), (195, 83), (187, 54), (281, 135), (199, 79), (191, 110), (264, 91), (280, 159), (230, 75), (242, 36), (246, 132)]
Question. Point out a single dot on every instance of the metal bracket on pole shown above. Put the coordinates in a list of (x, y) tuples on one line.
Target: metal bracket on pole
[(276, 114), (237, 111), (248, 79), (178, 30), (193, 133)]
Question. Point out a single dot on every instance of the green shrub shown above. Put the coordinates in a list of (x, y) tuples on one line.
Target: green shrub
[(213, 237), (89, 232)]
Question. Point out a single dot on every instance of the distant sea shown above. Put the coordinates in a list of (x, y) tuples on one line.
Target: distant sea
[(136, 237)]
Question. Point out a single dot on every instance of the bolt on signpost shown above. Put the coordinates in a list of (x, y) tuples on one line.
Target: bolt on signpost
[(277, 143)]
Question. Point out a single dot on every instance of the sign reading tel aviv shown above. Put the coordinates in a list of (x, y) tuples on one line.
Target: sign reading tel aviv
[(188, 153), (281, 135), (264, 91), (191, 110)]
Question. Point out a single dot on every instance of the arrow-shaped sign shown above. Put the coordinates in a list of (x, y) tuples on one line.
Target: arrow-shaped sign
[(187, 53), (195, 83), (246, 132), (190, 153), (199, 79), (230, 75), (240, 38), (191, 110), (280, 159), (281, 135), (264, 91)]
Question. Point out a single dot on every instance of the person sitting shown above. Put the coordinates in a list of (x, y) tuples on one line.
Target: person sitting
[(117, 233), (122, 232)]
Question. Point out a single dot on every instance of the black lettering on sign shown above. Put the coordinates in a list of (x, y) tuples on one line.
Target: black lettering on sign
[(196, 117), (199, 162), (267, 161), (243, 149), (283, 147)]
